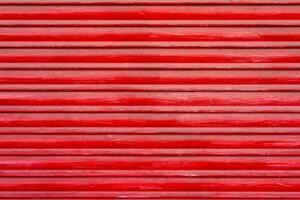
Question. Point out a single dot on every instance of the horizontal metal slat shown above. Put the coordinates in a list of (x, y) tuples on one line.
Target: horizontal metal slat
[(149, 120), (169, 45), (148, 66), (151, 142), (153, 173), (151, 195), (149, 152), (150, 184), (179, 77), (146, 37), (149, 109), (203, 12), (148, 163), (149, 23), (149, 99), (149, 130), (145, 88), (150, 55)]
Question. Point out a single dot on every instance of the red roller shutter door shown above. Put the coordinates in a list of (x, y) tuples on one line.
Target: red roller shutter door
[(149, 99)]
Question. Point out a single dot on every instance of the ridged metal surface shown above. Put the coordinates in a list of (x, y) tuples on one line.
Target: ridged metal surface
[(149, 99)]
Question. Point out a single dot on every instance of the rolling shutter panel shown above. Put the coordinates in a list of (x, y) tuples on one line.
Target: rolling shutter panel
[(149, 99)]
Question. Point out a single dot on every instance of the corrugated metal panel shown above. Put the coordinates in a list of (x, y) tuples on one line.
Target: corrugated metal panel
[(150, 99)]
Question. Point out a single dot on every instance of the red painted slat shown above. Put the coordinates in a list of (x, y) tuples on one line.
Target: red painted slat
[(150, 184), (153, 173), (153, 56), (149, 120), (147, 66), (150, 12), (149, 152), (149, 99), (150, 34), (149, 109), (152, 142), (169, 45), (149, 23), (149, 163), (150, 77), (146, 88), (147, 130), (152, 195)]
